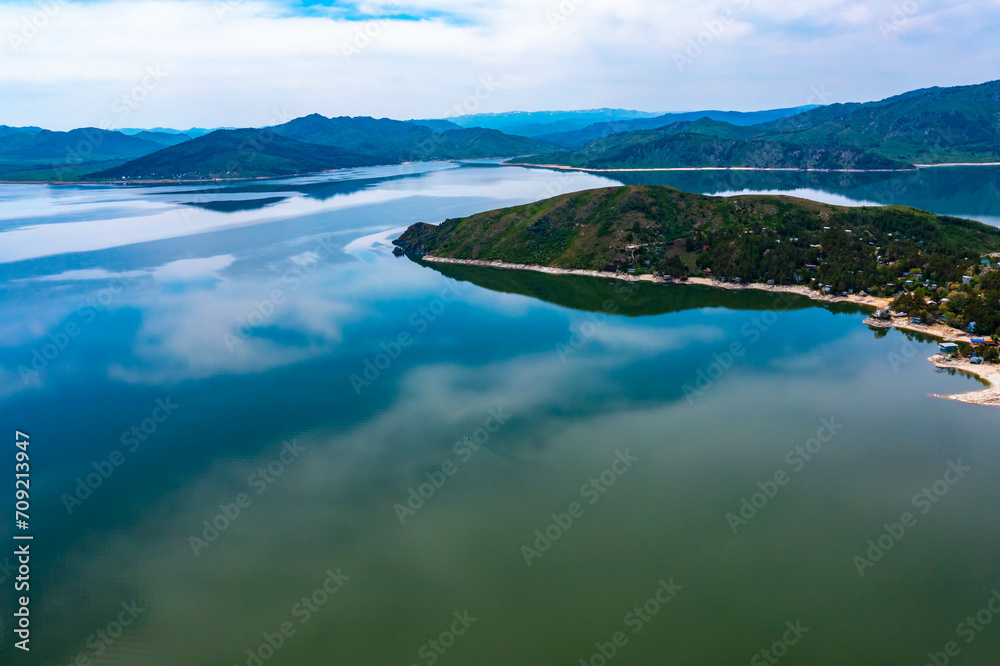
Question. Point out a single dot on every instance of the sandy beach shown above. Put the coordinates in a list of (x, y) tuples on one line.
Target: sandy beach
[(870, 301), (989, 373)]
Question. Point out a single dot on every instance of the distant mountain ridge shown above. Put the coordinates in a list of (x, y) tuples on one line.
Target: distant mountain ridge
[(929, 126), (315, 143), (405, 141), (246, 153), (739, 118)]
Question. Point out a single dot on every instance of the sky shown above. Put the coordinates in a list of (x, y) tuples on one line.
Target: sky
[(216, 63)]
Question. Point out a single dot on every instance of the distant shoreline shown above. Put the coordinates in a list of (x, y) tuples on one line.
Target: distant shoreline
[(792, 169), (916, 167), (202, 181)]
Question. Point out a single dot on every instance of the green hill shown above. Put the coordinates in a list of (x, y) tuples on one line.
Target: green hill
[(582, 136), (87, 143), (930, 126), (404, 141), (753, 238), (708, 143), (247, 153)]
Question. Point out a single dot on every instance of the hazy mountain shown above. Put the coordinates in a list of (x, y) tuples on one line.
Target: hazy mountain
[(436, 125), (246, 153), (163, 138), (591, 132), (6, 130), (79, 145), (194, 132), (524, 123), (405, 141)]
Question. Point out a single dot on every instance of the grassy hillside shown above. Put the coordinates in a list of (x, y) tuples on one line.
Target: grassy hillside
[(707, 143), (87, 143), (754, 238), (236, 154), (582, 136), (403, 141), (931, 126)]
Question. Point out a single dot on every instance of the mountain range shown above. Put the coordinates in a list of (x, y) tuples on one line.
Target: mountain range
[(929, 126)]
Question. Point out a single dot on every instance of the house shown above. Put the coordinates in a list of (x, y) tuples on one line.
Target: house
[(971, 327), (948, 348), (986, 262), (966, 279), (916, 320)]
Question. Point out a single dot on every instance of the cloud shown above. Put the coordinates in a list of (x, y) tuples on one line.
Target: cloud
[(421, 58)]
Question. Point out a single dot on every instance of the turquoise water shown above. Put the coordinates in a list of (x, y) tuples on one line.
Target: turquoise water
[(258, 430)]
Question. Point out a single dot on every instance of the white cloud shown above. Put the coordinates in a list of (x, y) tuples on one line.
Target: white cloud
[(263, 56)]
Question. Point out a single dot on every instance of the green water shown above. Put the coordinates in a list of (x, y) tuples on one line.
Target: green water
[(641, 417)]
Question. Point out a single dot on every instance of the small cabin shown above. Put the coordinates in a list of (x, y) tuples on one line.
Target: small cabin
[(948, 348)]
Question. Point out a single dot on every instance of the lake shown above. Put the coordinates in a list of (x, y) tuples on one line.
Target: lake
[(258, 437)]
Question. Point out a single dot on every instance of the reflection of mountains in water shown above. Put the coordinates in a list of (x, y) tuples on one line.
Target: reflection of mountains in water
[(630, 299), (958, 191), (215, 198)]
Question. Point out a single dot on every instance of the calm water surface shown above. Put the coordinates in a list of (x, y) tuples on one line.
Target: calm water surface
[(247, 418)]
